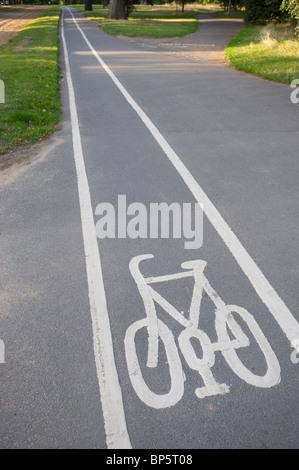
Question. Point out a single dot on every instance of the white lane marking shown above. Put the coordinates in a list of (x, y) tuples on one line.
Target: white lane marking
[(178, 44), (111, 396), (263, 288)]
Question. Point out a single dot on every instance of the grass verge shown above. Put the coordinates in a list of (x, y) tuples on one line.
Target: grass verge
[(270, 52), (227, 15), (30, 72), (147, 21)]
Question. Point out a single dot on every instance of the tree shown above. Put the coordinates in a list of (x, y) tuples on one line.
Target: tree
[(118, 10), (262, 11), (235, 4), (88, 5), (292, 8)]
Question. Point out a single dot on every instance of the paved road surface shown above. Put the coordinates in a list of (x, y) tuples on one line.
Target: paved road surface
[(206, 44), (154, 127)]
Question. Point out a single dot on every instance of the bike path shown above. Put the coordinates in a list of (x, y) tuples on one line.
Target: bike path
[(226, 130), (207, 44)]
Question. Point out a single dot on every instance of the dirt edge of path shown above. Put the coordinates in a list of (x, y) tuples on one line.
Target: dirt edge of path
[(13, 20)]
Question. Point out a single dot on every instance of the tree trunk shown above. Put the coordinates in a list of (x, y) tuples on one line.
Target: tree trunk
[(117, 10), (88, 5)]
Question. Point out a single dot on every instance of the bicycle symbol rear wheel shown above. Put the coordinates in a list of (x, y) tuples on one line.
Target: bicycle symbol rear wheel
[(141, 388)]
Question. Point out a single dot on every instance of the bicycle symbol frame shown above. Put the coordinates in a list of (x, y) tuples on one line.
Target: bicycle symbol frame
[(158, 330)]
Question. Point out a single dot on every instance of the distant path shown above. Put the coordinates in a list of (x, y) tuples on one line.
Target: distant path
[(207, 44)]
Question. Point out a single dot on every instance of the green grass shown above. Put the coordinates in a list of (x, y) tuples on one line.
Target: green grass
[(149, 21), (231, 14), (271, 52), (152, 28), (29, 69)]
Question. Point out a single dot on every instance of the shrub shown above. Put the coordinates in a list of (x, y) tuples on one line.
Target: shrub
[(263, 11)]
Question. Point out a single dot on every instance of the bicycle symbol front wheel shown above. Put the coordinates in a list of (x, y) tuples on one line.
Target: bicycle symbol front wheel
[(141, 388)]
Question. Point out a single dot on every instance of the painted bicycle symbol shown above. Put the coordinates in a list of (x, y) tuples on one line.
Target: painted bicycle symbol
[(226, 327)]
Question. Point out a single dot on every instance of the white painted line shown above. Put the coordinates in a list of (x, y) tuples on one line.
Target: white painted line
[(178, 44), (111, 396), (265, 291)]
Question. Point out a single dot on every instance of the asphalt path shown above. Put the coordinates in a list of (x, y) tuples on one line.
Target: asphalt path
[(206, 44), (155, 127)]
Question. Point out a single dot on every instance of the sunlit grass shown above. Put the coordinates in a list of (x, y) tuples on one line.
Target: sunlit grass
[(147, 21), (232, 14), (152, 28), (29, 69), (271, 52)]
